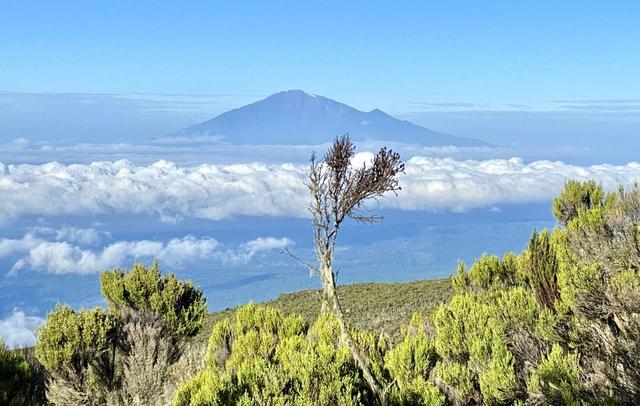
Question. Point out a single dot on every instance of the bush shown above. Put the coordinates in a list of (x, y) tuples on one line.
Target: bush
[(78, 349), (126, 354), (15, 378), (557, 325), (148, 294), (576, 197), (410, 364), (470, 339), (556, 379), (262, 357)]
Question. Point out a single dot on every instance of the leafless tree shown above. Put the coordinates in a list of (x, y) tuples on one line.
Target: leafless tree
[(338, 191)]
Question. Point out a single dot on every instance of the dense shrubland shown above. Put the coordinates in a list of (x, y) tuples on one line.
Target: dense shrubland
[(556, 324), (262, 357)]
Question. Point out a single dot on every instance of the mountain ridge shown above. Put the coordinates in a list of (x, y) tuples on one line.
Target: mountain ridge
[(296, 117)]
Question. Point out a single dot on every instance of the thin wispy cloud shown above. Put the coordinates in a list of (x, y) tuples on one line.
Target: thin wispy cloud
[(559, 107), (209, 149), (600, 101), (611, 106), (444, 105), (82, 236)]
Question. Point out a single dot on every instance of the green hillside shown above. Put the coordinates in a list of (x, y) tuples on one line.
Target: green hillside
[(379, 307)]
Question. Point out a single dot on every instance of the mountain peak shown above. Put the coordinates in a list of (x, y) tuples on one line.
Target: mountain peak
[(297, 117), (295, 96), (292, 93), (297, 99)]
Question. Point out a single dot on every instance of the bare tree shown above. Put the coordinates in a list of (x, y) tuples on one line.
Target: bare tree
[(338, 191)]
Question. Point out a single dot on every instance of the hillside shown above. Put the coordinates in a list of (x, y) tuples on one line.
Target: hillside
[(379, 307), (294, 117)]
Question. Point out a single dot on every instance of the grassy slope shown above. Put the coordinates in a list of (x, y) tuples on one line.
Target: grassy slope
[(380, 307)]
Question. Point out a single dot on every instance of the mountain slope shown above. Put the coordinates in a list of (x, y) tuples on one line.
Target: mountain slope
[(379, 307), (295, 117)]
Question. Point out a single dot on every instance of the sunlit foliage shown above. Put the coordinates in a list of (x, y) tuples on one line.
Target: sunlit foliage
[(122, 355)]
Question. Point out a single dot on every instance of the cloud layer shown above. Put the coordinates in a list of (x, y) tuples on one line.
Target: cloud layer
[(36, 253), (448, 184), (222, 191), (206, 191)]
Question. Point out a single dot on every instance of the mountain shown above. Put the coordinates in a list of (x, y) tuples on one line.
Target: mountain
[(296, 117)]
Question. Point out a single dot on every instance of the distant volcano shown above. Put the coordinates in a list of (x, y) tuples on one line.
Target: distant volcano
[(295, 117)]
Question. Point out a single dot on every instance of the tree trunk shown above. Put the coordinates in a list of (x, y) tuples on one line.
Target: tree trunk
[(331, 299)]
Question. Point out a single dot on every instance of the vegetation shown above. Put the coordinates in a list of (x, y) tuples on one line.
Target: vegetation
[(262, 357), (21, 380), (557, 324), (123, 355), (383, 308)]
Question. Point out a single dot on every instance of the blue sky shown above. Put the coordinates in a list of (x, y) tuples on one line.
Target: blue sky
[(363, 53)]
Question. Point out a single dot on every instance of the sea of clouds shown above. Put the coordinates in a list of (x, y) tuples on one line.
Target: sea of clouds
[(218, 191)]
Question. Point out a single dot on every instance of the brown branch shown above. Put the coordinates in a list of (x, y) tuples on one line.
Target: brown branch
[(312, 268)]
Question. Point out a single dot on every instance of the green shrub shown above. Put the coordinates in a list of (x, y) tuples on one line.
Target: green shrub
[(70, 339), (124, 355), (414, 356), (556, 379), (145, 291), (459, 378), (410, 364), (15, 378), (472, 337), (501, 338), (262, 357), (575, 197), (542, 269), (488, 272), (418, 391), (78, 351)]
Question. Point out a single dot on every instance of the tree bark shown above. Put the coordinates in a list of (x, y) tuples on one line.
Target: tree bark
[(334, 302)]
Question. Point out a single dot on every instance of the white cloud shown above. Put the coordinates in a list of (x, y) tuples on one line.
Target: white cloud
[(62, 257), (205, 191), (18, 329), (59, 257), (262, 244), (81, 236), (222, 191), (11, 246), (448, 184)]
